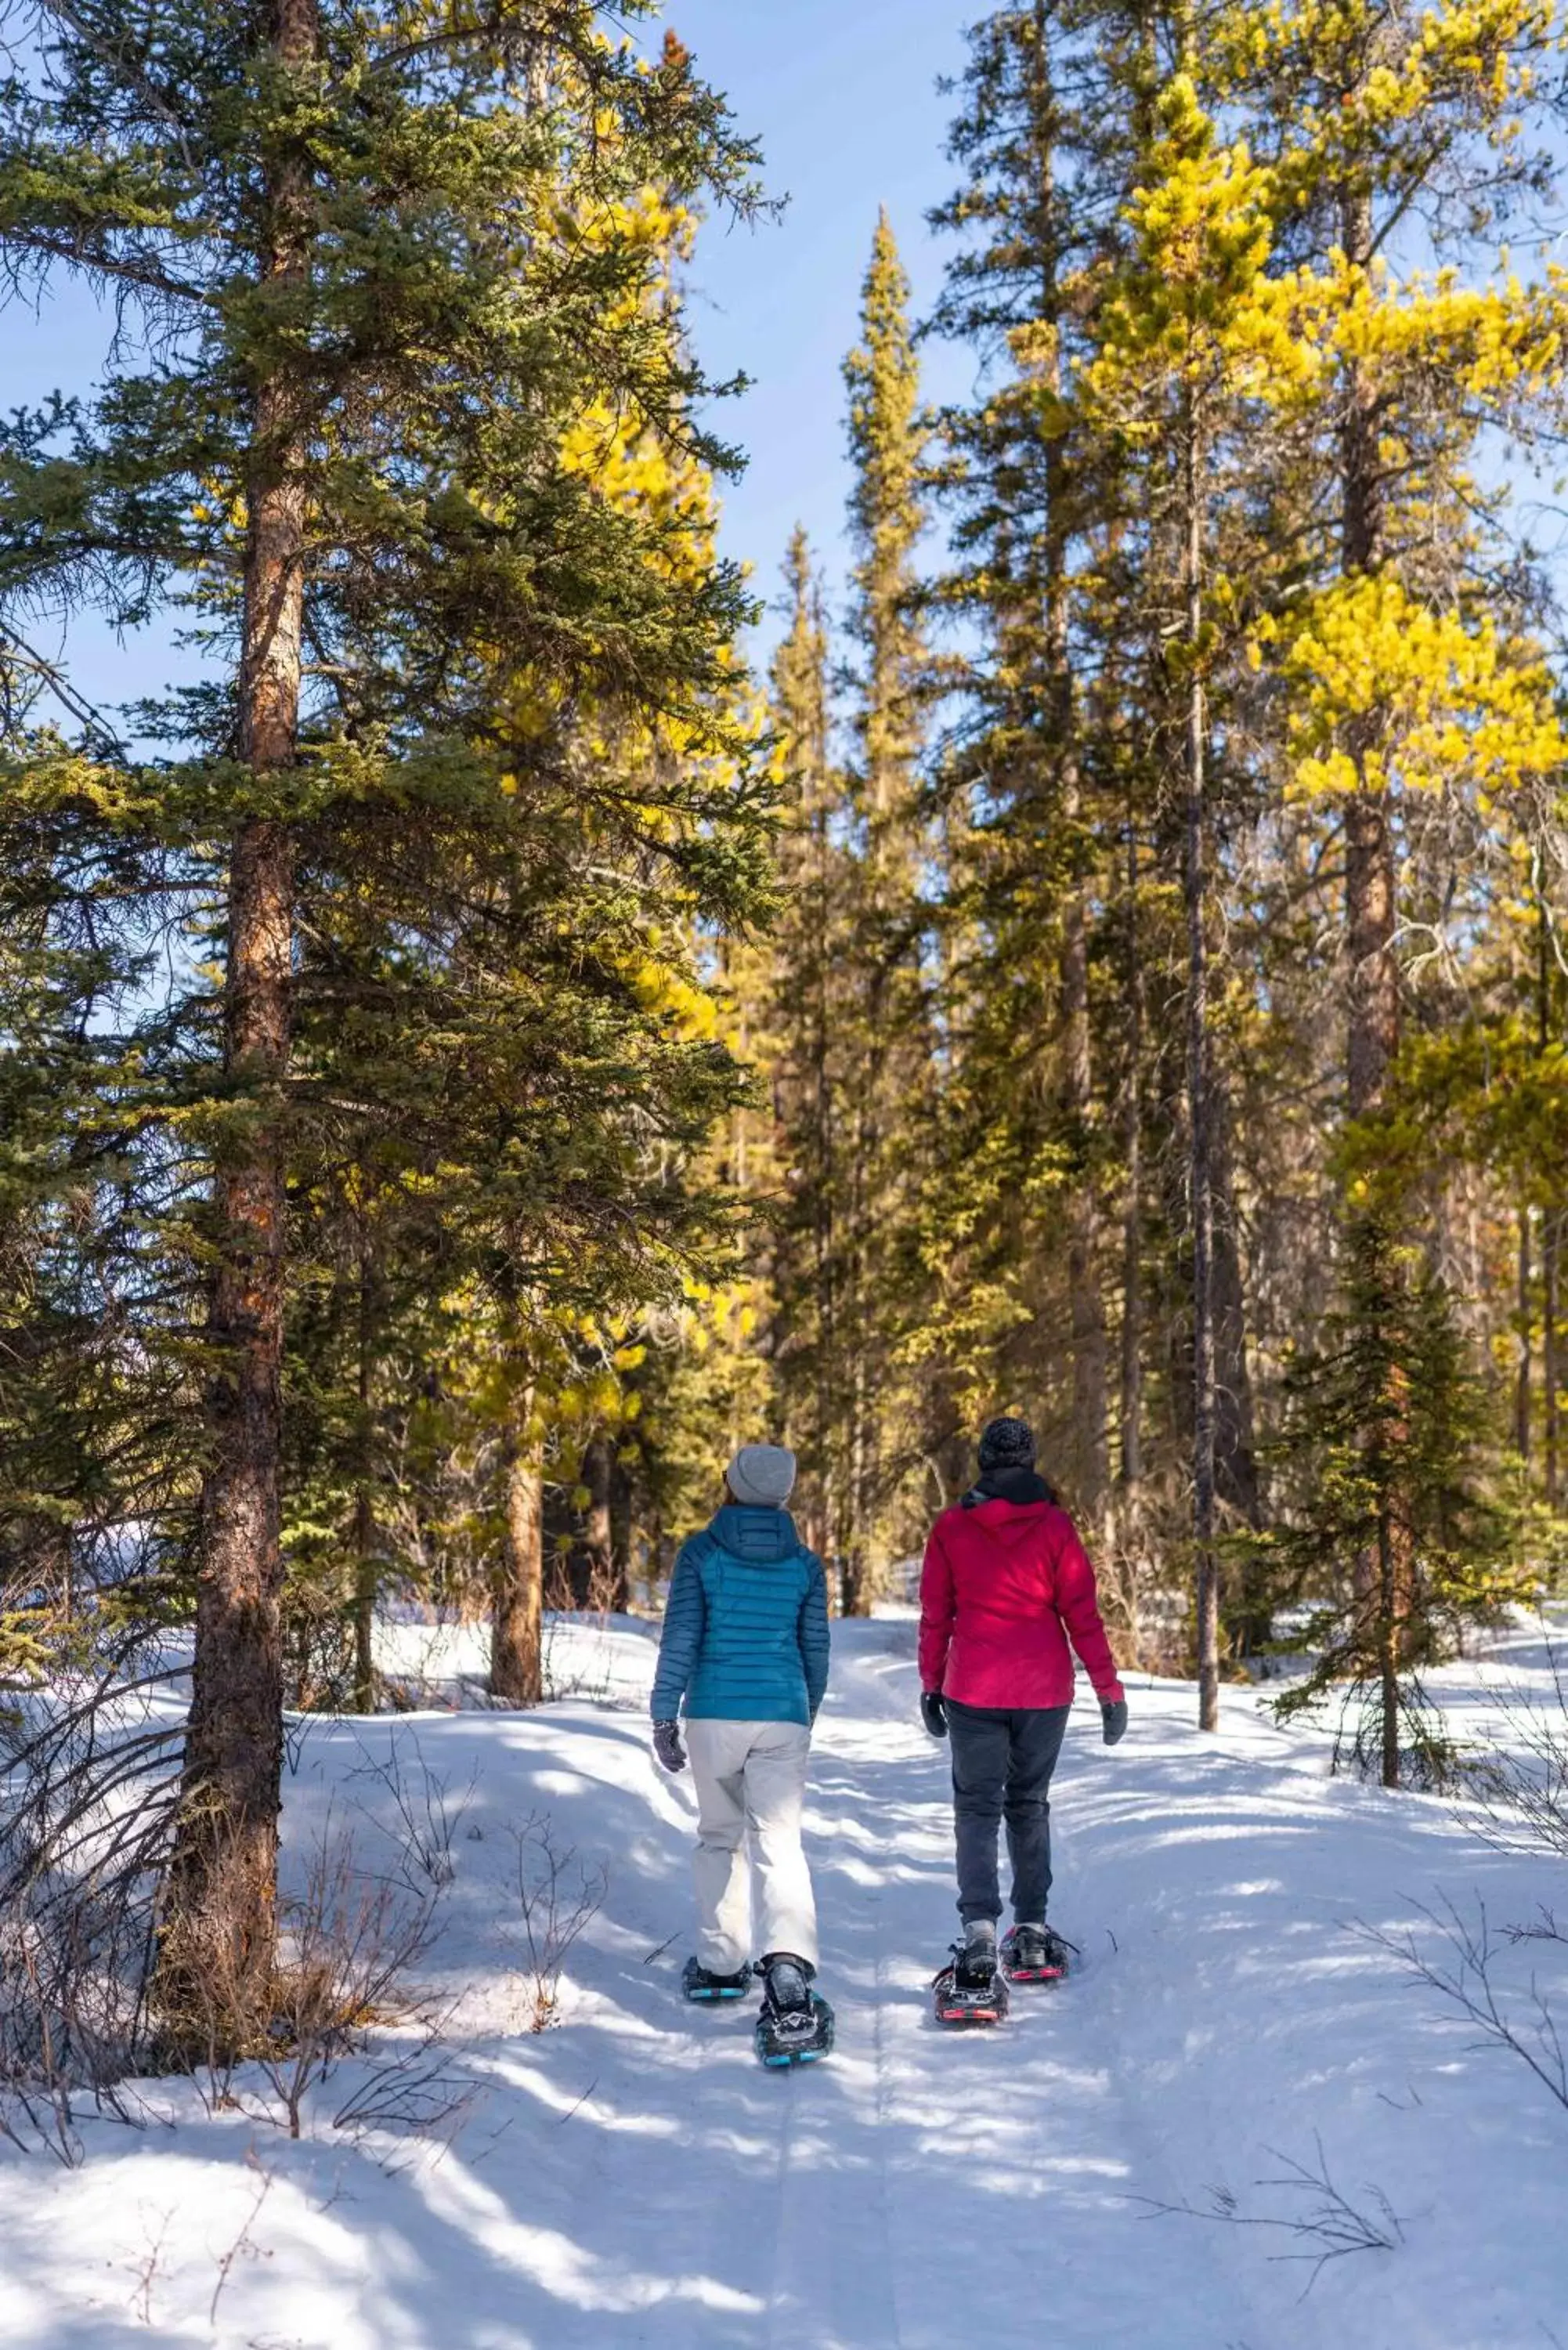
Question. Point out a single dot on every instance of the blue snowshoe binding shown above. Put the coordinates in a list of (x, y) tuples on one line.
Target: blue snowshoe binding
[(703, 1988), (796, 2026)]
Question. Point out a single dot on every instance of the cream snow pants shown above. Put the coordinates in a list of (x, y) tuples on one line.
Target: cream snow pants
[(750, 1778)]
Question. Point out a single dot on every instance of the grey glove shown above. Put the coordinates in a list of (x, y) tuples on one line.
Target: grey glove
[(1115, 1717), (933, 1713), (668, 1747)]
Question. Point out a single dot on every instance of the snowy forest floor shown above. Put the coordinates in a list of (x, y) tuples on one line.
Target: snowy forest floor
[(631, 2175)]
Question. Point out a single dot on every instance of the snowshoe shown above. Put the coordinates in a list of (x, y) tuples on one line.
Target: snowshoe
[(971, 1988), (796, 2026), (1032, 1954), (703, 1987)]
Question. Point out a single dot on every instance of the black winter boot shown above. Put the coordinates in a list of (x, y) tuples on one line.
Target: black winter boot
[(974, 1953), (971, 1988), (702, 1986), (1035, 1953), (796, 2026)]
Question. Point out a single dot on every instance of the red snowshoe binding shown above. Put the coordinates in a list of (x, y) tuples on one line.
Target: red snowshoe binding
[(1032, 1954), (971, 1988)]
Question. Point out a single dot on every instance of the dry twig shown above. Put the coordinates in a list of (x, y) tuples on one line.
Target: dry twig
[(1329, 2228), (1466, 1982), (558, 1894)]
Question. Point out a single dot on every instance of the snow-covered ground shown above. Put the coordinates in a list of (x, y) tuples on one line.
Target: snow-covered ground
[(631, 2176)]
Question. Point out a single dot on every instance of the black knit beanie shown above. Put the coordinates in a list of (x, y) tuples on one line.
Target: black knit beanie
[(1006, 1444)]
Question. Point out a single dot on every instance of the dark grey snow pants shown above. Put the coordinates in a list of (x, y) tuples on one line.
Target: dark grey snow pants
[(1002, 1762)]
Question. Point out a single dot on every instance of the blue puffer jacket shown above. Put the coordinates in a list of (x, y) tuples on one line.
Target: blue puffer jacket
[(746, 1629)]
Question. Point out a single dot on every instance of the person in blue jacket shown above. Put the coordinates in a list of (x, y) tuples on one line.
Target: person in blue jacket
[(746, 1650)]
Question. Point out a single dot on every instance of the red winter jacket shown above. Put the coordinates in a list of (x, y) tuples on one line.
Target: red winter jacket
[(1004, 1587)]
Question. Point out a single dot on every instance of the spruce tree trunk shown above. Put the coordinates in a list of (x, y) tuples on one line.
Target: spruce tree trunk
[(1370, 894), (823, 1234), (1131, 1412), (223, 1871), (1247, 1614), (1388, 1646), (365, 1586), (1372, 976), (1194, 896), (1521, 1408), (1235, 1455), (517, 1621), (1551, 1244), (623, 1529), (366, 1578), (1083, 1217), (604, 1588), (1087, 1301), (1248, 1611), (220, 1938), (856, 1595), (1549, 1231), (1373, 991)]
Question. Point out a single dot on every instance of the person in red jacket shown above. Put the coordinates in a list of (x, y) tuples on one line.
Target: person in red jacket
[(1005, 1585)]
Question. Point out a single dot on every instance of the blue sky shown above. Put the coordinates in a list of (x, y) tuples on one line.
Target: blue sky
[(842, 95)]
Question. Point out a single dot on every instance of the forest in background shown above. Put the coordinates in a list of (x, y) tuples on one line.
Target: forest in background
[(479, 1054)]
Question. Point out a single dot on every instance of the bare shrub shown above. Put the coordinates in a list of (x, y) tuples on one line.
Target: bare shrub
[(413, 2090), (319, 1672), (558, 1894), (1319, 2218), (89, 1781), (571, 1669), (102, 1979), (36, 2105), (348, 1947), (429, 1814), (242, 2247), (147, 2268), (1521, 1786), (1523, 2025), (1518, 1794)]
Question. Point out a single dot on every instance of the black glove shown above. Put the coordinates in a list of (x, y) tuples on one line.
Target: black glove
[(933, 1713), (668, 1747), (1115, 1717)]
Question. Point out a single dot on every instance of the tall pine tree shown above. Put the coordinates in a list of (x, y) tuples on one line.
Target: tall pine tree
[(369, 329)]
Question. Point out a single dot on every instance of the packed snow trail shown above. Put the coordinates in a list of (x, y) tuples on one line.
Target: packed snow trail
[(633, 2177)]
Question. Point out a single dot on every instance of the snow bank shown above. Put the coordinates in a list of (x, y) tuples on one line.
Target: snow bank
[(446, 1665)]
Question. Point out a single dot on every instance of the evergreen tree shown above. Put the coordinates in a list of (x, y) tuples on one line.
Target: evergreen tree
[(1029, 211), (889, 1036), (1392, 647), (1381, 116), (805, 1033), (353, 250), (846, 1024), (1384, 1431), (1193, 333), (1143, 282)]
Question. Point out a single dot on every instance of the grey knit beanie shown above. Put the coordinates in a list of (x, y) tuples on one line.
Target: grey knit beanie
[(762, 1475), (1006, 1444)]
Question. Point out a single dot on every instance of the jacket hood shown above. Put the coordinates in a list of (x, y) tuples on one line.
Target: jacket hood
[(758, 1536), (1021, 1487)]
